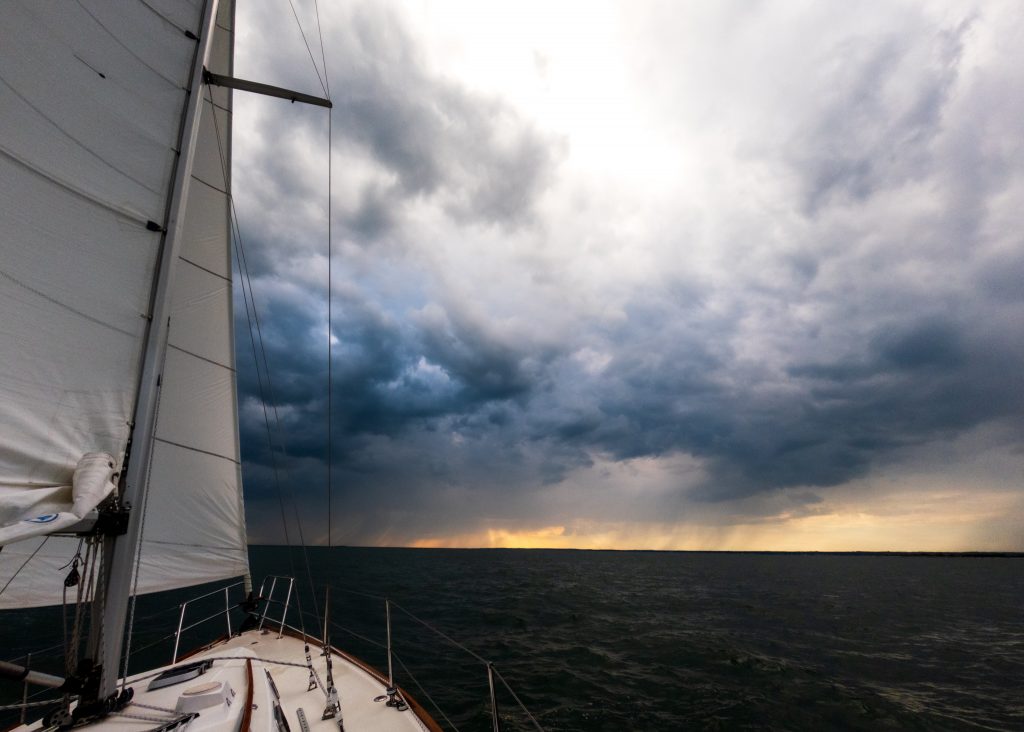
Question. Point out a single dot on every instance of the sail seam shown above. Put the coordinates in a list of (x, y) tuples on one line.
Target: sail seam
[(71, 188), (186, 260), (130, 52), (65, 306), (201, 358), (162, 17), (75, 140), (197, 546), (195, 449)]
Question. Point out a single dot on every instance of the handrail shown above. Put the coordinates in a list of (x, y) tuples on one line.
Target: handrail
[(492, 669), (392, 656), (211, 593), (184, 607), (24, 690), (518, 701), (425, 694), (494, 700), (270, 598), (33, 678)]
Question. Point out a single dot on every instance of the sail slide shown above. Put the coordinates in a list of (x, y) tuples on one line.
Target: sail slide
[(83, 198)]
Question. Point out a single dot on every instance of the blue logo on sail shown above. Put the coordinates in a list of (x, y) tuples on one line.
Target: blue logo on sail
[(44, 519)]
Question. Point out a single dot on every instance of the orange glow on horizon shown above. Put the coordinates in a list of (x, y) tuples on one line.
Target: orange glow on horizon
[(939, 522)]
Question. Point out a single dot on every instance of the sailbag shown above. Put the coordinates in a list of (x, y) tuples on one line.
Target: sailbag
[(91, 104)]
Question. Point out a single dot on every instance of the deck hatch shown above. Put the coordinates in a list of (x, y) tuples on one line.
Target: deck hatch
[(180, 674)]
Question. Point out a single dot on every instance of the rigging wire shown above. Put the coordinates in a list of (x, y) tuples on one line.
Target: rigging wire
[(82, 597), (330, 328), (441, 633), (75, 560), (338, 626), (360, 593), (323, 57), (326, 83), (424, 691), (23, 564), (250, 302), (330, 271), (516, 697), (309, 51), (39, 652)]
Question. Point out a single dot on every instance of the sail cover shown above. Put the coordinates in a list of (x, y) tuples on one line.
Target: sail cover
[(91, 103)]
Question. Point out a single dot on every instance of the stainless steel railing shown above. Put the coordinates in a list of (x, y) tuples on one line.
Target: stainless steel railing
[(184, 606), (493, 675), (269, 599)]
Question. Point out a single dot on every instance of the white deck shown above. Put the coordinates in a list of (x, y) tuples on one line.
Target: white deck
[(356, 687)]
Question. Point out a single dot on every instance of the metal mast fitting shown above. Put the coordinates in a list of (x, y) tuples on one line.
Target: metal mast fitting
[(266, 89), (332, 708)]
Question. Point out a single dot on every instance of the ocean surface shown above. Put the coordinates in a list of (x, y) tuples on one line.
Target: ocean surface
[(654, 640)]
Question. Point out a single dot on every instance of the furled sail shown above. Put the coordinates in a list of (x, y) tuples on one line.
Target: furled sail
[(91, 102), (42, 511)]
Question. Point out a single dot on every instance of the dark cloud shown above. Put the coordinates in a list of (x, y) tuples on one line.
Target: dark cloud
[(837, 329), (425, 136), (819, 424), (388, 377), (486, 366), (374, 214)]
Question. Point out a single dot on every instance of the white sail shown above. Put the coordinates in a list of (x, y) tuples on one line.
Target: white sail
[(195, 525), (91, 102)]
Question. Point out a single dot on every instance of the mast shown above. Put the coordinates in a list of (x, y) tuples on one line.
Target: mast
[(119, 553)]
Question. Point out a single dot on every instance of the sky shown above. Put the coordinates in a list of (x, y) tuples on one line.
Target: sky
[(657, 275)]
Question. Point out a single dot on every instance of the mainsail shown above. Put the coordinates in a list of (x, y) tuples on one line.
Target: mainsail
[(91, 104)]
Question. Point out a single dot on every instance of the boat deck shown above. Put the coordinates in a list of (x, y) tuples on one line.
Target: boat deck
[(357, 687), (261, 683)]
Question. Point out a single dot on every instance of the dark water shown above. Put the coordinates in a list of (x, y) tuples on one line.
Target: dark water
[(667, 641)]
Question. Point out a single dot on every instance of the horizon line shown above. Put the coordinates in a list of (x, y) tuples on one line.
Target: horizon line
[(847, 552)]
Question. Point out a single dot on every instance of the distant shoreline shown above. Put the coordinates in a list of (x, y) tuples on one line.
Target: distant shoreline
[(1010, 555)]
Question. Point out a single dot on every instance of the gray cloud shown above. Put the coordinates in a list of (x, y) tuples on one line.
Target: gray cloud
[(870, 304), (873, 129), (427, 137)]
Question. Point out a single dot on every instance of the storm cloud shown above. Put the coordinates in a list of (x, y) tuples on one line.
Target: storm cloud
[(787, 259)]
